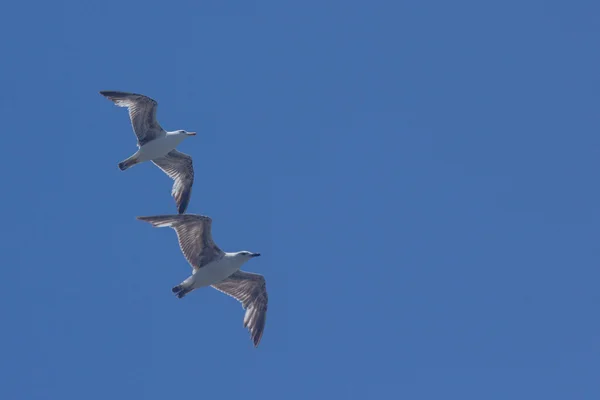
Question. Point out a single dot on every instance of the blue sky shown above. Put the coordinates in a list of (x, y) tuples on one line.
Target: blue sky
[(420, 177)]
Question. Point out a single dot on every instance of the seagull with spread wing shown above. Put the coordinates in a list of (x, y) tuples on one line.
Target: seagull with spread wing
[(157, 145), (213, 267)]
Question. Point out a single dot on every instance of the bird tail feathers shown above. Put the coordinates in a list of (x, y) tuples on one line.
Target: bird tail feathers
[(130, 162), (180, 291)]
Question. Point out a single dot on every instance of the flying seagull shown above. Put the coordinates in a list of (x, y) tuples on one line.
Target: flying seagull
[(213, 267), (157, 145)]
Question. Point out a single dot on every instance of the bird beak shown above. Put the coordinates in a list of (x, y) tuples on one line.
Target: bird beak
[(255, 254), (191, 133)]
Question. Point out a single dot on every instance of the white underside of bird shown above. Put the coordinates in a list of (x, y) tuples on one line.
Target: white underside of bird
[(158, 147), (214, 272)]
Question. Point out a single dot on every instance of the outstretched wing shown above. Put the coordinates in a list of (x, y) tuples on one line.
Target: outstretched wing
[(251, 290), (142, 112), (179, 168), (194, 234)]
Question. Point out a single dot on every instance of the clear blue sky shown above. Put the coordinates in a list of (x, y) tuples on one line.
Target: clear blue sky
[(421, 178)]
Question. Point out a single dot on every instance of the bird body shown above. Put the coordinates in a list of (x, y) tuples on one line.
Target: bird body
[(213, 267), (157, 145), (214, 272), (160, 146)]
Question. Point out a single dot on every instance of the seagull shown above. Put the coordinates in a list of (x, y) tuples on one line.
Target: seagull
[(213, 267), (157, 145)]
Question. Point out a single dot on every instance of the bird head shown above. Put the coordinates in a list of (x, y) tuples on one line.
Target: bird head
[(246, 255)]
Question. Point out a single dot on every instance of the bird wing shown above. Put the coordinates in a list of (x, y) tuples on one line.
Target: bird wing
[(194, 234), (251, 290), (178, 166), (142, 112)]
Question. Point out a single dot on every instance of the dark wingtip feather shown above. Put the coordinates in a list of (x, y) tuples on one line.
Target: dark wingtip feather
[(256, 338), (256, 331), (119, 94), (152, 217), (156, 220), (109, 93), (184, 200)]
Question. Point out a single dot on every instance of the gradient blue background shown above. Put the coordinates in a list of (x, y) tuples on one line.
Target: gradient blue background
[(421, 178)]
